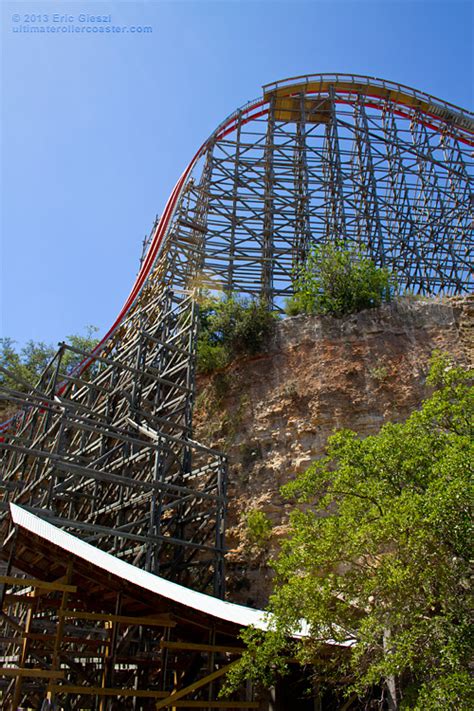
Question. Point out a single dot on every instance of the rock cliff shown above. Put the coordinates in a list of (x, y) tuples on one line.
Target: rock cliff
[(272, 413)]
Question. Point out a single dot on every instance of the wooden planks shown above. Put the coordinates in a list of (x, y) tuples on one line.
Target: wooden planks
[(100, 691), (37, 673), (35, 583), (192, 646), (177, 695), (158, 621)]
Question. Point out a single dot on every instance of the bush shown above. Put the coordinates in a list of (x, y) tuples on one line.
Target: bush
[(230, 327), (210, 357), (259, 527), (339, 280)]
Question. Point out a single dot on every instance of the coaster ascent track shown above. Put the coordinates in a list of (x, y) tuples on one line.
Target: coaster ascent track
[(107, 451)]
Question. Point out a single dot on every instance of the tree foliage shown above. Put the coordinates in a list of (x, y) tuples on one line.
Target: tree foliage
[(230, 327), (258, 528), (338, 279), (378, 560), (25, 365)]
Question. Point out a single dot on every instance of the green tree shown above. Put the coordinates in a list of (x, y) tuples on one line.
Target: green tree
[(230, 327), (85, 343), (338, 279), (378, 560), (25, 365)]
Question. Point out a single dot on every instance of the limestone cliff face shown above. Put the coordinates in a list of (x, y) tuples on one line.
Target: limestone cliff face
[(272, 414)]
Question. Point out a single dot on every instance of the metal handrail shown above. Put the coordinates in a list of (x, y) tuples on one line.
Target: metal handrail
[(367, 80)]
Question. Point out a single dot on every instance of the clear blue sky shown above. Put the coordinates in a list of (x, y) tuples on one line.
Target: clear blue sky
[(96, 128)]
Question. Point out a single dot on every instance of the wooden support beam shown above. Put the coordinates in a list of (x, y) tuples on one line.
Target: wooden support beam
[(40, 637), (109, 650), (191, 688), (18, 628), (191, 646), (34, 673), (217, 704), (158, 621), (99, 691), (10, 599), (35, 583), (10, 640), (23, 657), (98, 475), (56, 658), (41, 592)]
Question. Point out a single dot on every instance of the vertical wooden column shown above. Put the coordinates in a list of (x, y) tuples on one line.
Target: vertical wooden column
[(235, 204), (211, 661), (56, 659), (334, 182), (368, 186), (301, 190), (109, 653), (268, 208), (23, 654)]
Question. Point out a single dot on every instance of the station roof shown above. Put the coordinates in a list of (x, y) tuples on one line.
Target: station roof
[(43, 547)]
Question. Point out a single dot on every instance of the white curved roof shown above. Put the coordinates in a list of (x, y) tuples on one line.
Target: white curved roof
[(228, 611)]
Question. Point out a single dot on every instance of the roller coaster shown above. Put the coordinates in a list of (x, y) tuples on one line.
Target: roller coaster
[(106, 451)]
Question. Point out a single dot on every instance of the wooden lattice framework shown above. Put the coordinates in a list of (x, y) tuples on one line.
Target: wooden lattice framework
[(85, 638), (107, 451)]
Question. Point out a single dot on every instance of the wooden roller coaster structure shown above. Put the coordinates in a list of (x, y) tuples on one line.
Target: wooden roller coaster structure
[(106, 451)]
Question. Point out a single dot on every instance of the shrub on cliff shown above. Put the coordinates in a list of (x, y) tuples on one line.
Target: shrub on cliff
[(379, 560), (337, 279), (258, 528), (230, 327)]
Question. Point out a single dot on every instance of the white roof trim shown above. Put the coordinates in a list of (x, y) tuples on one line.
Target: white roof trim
[(220, 609)]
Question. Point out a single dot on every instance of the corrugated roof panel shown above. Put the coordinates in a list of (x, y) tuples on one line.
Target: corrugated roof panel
[(228, 611)]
